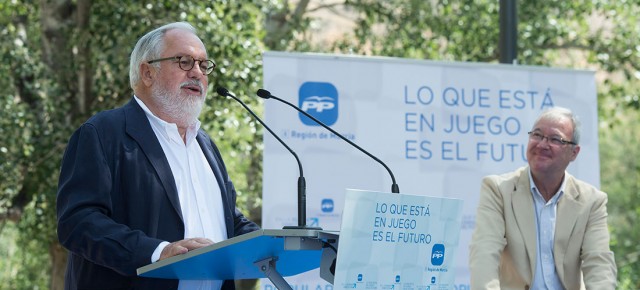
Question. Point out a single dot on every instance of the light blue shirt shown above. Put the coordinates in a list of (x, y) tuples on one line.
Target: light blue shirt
[(545, 275)]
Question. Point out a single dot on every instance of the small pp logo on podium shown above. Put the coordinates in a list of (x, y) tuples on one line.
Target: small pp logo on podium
[(437, 254), (327, 205)]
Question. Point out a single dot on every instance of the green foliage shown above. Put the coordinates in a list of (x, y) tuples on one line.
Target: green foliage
[(620, 159), (25, 262), (28, 152), (469, 31), (20, 90)]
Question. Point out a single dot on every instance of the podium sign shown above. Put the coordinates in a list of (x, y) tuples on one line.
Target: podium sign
[(397, 241)]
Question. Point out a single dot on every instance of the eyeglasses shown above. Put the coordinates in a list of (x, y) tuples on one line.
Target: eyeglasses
[(186, 63), (554, 140)]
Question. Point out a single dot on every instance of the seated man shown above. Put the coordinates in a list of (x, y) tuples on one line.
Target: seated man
[(539, 227)]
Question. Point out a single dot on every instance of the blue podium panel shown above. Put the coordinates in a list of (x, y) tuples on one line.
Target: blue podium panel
[(234, 258)]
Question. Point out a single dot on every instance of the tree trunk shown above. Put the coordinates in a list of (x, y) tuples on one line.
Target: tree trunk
[(57, 25), (58, 256), (84, 97), (66, 51), (280, 25)]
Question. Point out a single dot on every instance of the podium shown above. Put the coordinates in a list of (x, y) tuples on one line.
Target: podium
[(386, 241), (271, 254)]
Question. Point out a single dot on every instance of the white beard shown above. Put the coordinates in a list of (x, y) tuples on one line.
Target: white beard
[(184, 110)]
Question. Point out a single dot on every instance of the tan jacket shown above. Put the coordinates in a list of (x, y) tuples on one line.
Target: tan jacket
[(503, 246)]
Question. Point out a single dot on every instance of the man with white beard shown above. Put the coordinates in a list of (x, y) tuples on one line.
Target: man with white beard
[(143, 182)]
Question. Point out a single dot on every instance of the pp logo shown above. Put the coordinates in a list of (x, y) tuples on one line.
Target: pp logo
[(319, 100), (437, 254), (327, 205)]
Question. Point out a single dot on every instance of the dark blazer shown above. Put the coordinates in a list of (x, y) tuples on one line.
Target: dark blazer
[(117, 201)]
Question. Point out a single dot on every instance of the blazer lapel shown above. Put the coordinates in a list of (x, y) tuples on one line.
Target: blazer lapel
[(138, 127), (523, 210), (567, 215)]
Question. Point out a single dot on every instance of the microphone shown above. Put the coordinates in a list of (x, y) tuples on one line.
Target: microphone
[(267, 95), (302, 196)]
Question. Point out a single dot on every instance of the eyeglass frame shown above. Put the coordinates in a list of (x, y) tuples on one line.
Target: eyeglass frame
[(178, 57), (553, 140)]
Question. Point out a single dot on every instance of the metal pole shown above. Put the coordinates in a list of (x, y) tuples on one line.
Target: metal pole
[(508, 47)]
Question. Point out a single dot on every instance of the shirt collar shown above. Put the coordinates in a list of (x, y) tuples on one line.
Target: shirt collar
[(556, 197), (169, 130)]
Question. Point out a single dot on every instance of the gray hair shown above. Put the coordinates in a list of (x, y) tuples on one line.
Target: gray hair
[(557, 113), (149, 47)]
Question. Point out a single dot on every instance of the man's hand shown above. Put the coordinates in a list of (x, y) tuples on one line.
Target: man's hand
[(183, 246)]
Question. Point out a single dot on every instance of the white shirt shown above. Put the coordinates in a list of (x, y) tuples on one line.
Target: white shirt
[(545, 275), (198, 189)]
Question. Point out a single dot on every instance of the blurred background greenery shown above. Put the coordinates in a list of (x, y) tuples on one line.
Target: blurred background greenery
[(63, 60)]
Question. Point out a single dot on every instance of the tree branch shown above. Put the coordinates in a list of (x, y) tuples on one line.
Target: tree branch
[(84, 97)]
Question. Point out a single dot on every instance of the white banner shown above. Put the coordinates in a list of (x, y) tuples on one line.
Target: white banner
[(440, 127)]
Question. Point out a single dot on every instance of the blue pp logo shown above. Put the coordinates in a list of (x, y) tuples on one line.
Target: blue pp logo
[(359, 277), (319, 100), (397, 278), (327, 205), (437, 254)]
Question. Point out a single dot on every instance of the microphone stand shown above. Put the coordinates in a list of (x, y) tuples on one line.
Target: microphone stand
[(302, 196)]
